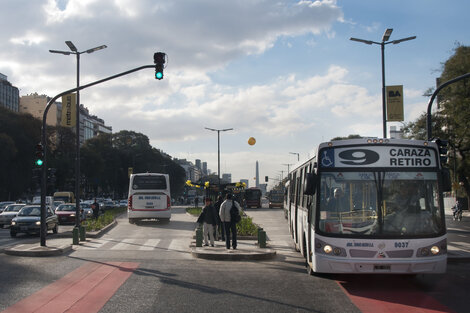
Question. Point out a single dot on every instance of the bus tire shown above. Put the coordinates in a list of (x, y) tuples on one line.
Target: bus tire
[(131, 221)]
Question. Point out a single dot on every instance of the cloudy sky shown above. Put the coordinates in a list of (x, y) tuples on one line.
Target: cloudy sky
[(284, 72)]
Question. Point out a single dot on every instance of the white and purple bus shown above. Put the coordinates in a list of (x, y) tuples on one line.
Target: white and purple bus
[(370, 206)]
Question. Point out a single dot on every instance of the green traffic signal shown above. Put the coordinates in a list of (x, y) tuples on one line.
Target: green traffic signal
[(158, 75), (39, 162)]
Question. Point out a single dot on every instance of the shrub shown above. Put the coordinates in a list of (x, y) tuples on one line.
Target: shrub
[(104, 219)]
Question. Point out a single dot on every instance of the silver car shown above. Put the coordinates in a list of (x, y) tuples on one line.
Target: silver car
[(9, 213)]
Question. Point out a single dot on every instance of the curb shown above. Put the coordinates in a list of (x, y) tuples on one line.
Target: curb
[(38, 251), (241, 254)]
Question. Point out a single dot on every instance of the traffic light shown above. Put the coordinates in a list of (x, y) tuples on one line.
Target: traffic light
[(442, 145), (159, 60), (39, 155)]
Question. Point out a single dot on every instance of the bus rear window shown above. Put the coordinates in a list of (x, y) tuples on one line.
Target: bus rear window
[(149, 182)]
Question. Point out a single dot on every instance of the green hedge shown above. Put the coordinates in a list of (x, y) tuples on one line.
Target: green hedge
[(104, 219)]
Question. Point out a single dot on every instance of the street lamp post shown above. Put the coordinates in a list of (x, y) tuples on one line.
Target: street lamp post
[(218, 148), (288, 167), (298, 155), (74, 50), (385, 38)]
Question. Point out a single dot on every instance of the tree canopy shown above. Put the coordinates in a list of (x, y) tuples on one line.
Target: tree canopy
[(450, 121), (105, 160)]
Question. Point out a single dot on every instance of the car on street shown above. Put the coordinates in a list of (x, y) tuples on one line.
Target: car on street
[(106, 205), (4, 204), (66, 213), (87, 210), (123, 202), (9, 213), (28, 221)]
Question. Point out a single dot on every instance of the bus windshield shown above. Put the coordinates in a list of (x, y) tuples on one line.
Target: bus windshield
[(252, 194), (150, 182), (380, 204)]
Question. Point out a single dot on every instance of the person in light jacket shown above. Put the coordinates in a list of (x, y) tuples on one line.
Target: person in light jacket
[(229, 226)]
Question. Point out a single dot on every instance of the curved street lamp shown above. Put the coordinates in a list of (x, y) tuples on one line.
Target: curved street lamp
[(385, 41)]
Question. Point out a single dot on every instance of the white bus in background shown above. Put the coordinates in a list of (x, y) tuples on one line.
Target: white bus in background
[(370, 206), (149, 197)]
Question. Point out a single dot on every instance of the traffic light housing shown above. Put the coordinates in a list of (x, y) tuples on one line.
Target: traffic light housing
[(39, 161), (159, 60), (442, 146)]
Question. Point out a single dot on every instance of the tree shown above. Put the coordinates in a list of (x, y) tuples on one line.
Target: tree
[(451, 120), (345, 138)]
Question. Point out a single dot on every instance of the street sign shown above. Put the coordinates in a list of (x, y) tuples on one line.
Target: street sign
[(395, 103), (69, 110)]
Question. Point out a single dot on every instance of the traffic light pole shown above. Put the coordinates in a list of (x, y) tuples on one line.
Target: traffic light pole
[(43, 231), (428, 114)]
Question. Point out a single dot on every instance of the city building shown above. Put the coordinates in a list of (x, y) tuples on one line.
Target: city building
[(9, 94), (90, 125), (192, 172), (226, 178), (396, 133), (204, 168), (35, 104), (198, 164)]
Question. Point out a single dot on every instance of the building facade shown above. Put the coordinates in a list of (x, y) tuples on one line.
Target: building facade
[(9, 94), (35, 105)]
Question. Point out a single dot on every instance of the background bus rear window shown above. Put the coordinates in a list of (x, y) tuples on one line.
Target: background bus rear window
[(149, 182)]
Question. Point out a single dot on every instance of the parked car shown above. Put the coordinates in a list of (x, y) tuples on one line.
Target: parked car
[(123, 202), (28, 221), (4, 204), (9, 213), (66, 213)]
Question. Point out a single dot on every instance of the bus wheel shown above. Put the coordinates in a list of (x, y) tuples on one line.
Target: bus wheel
[(131, 221)]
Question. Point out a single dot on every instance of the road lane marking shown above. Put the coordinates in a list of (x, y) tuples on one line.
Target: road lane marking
[(150, 244), (125, 244)]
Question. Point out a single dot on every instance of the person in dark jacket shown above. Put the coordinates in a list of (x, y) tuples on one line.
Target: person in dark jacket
[(96, 209), (210, 221), (220, 226)]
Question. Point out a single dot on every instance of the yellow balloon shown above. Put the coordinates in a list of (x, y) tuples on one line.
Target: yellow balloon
[(251, 141)]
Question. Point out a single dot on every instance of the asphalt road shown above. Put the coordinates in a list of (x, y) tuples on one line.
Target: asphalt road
[(168, 279)]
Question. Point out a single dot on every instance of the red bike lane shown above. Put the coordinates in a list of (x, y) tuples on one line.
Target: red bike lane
[(389, 294), (86, 289)]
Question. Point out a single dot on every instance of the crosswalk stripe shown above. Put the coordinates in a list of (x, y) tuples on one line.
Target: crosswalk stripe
[(150, 244), (125, 244)]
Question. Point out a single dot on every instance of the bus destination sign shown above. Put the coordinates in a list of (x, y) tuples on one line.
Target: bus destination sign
[(378, 156)]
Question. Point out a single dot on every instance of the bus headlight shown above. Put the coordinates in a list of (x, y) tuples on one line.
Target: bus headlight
[(38, 223), (327, 249), (13, 223), (435, 250), (424, 251), (336, 251)]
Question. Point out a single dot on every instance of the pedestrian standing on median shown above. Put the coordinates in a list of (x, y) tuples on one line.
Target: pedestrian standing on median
[(229, 225), (210, 221), (220, 225), (96, 209)]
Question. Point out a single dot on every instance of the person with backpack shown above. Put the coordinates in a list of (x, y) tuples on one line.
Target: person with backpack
[(230, 214)]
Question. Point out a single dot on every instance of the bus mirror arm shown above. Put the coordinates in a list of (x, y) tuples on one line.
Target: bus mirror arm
[(446, 181), (310, 184)]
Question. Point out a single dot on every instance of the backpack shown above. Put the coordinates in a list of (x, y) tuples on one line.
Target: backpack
[(234, 214)]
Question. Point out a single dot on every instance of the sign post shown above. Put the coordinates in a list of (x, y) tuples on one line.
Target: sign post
[(395, 103)]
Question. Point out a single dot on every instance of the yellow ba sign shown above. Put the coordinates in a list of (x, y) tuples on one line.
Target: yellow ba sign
[(69, 110), (395, 103)]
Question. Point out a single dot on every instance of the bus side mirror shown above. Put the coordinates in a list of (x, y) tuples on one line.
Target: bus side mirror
[(310, 184), (446, 181)]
